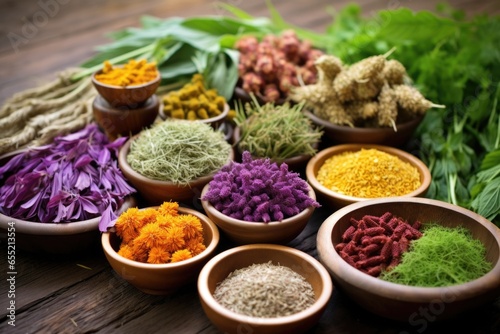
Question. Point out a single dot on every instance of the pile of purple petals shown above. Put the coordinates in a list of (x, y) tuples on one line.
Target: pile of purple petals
[(258, 191), (74, 178)]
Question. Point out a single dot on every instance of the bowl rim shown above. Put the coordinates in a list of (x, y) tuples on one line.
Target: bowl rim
[(422, 168), (38, 228), (210, 248), (319, 304), (329, 257), (127, 169), (96, 82), (243, 223), (363, 130)]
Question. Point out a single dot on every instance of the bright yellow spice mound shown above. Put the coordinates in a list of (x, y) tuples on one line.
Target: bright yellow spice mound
[(132, 73), (368, 173), (159, 235)]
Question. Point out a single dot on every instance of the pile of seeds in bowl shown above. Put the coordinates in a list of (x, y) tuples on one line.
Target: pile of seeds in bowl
[(265, 290)]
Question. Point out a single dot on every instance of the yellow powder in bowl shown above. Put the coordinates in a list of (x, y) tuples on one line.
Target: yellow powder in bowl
[(368, 173)]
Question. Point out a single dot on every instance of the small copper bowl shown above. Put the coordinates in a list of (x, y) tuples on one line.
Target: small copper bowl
[(129, 96)]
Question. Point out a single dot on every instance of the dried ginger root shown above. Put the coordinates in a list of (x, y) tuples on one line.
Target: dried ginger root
[(410, 99), (388, 110), (35, 116), (361, 80), (369, 93)]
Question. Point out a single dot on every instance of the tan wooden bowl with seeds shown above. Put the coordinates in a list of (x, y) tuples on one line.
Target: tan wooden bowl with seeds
[(227, 321)]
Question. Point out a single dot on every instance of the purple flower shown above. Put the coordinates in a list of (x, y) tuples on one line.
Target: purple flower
[(75, 178), (258, 190)]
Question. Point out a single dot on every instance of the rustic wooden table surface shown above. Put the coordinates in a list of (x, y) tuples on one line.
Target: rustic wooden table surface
[(82, 294)]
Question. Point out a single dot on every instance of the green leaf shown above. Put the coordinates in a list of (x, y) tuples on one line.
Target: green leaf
[(148, 21), (491, 160), (404, 24), (487, 204), (235, 11)]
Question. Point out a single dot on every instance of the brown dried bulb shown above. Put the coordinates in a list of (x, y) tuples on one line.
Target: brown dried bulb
[(388, 107), (410, 99), (394, 72)]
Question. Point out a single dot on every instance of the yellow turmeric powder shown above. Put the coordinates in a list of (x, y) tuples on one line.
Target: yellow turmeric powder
[(368, 173), (132, 73)]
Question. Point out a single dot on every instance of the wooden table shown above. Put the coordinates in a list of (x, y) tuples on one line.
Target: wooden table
[(82, 294)]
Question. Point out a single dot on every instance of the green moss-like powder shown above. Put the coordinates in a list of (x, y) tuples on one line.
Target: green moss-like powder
[(443, 256)]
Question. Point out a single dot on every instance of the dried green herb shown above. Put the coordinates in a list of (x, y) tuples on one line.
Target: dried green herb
[(265, 290), (178, 151), (443, 256), (277, 132)]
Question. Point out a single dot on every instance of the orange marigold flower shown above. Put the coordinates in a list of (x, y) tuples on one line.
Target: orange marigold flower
[(169, 208), (128, 225), (148, 215), (158, 255), (175, 238), (181, 255), (191, 226), (195, 246), (151, 235), (165, 221), (126, 251)]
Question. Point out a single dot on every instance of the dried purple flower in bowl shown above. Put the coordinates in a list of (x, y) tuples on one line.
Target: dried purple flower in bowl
[(257, 201), (69, 187)]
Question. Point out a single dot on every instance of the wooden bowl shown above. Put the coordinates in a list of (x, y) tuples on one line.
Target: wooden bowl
[(219, 267), (337, 200), (129, 96), (156, 192), (162, 279), (338, 134), (56, 238), (408, 303), (123, 121), (245, 232)]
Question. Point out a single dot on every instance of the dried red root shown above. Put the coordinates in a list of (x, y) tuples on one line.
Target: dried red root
[(373, 244)]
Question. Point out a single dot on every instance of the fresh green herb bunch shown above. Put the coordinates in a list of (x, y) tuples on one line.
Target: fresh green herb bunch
[(277, 132), (178, 151)]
